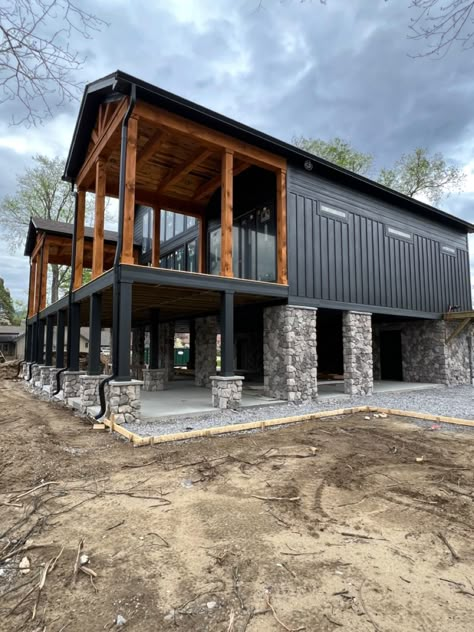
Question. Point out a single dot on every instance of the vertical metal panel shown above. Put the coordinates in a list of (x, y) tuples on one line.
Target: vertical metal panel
[(292, 244), (300, 236), (316, 234), (308, 247), (324, 258), (331, 261)]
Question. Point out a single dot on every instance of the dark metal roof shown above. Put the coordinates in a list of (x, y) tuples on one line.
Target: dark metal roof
[(52, 227), (119, 83)]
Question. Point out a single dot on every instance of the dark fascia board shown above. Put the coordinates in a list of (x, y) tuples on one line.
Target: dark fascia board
[(51, 310), (193, 280), (120, 83)]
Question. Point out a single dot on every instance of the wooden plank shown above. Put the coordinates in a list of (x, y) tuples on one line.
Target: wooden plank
[(282, 257), (208, 188), (227, 199), (208, 136), (98, 245), (102, 148), (151, 146), (155, 255), (44, 275), (129, 202), (181, 170), (79, 263), (461, 326), (459, 315)]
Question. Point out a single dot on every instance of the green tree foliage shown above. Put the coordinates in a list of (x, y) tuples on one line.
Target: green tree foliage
[(337, 151), (7, 310), (419, 174), (40, 192)]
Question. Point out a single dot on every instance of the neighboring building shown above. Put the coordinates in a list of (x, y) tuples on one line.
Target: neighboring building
[(304, 267), (10, 341)]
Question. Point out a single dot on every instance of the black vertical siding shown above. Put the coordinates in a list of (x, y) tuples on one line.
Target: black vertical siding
[(353, 259)]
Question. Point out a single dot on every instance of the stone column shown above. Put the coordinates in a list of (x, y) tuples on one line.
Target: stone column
[(226, 391), (290, 359), (53, 382), (166, 349), (36, 376), (205, 350), (154, 379), (89, 391), (123, 401), (358, 358), (71, 384), (44, 376)]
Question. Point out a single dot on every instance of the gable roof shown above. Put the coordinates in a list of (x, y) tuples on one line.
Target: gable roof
[(118, 84)]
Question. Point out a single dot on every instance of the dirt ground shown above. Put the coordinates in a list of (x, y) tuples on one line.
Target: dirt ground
[(333, 523)]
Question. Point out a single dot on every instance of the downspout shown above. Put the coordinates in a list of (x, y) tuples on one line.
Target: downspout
[(71, 287), (118, 252)]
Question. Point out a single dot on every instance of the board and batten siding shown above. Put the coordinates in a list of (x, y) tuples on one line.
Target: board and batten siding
[(370, 254)]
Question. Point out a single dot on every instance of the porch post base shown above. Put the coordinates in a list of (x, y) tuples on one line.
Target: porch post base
[(154, 379), (123, 401), (226, 391), (44, 376), (89, 391), (53, 382), (71, 384)]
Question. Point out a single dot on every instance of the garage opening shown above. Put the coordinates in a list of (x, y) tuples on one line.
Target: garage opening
[(391, 367)]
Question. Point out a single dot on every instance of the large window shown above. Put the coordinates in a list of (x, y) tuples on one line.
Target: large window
[(215, 251), (191, 256), (183, 258), (147, 230)]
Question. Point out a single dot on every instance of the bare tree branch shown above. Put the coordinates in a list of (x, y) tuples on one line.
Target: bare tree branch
[(37, 65), (443, 23)]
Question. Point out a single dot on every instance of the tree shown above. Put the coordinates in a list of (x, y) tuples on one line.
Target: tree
[(7, 311), (442, 23), (40, 192), (337, 151), (37, 65), (419, 174)]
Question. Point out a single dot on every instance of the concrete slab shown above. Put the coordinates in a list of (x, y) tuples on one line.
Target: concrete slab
[(327, 389), (184, 398)]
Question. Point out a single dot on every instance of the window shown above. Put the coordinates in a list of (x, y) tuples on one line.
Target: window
[(190, 222), (448, 250), (179, 259), (169, 222), (191, 259), (162, 225), (215, 251), (398, 234), (332, 212), (147, 228), (178, 224), (266, 246)]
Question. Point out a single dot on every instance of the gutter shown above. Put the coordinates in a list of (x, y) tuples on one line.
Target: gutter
[(116, 269)]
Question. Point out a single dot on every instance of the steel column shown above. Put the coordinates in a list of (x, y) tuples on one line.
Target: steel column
[(192, 345), (73, 335), (227, 334), (60, 325), (154, 338), (29, 343), (49, 340), (95, 329), (122, 330), (40, 342)]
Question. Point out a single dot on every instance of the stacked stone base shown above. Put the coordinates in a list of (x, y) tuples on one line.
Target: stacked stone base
[(123, 401), (89, 391), (154, 379), (71, 384), (358, 356), (227, 391)]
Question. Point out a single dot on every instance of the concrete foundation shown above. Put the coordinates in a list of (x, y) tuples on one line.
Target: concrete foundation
[(358, 356), (124, 401), (226, 391), (154, 379), (205, 350), (290, 358)]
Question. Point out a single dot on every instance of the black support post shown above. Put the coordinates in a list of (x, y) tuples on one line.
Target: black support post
[(34, 342), (48, 360), (74, 335), (95, 329), (154, 337), (227, 334), (192, 345), (123, 329), (60, 325), (29, 343), (40, 342)]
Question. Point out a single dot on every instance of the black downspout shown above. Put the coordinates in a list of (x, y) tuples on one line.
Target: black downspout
[(71, 286), (116, 276)]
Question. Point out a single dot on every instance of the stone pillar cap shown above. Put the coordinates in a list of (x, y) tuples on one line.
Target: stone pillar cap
[(227, 378)]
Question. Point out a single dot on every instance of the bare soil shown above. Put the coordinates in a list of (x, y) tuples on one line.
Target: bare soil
[(334, 523)]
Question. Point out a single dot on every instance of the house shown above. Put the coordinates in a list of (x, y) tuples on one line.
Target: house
[(10, 336), (303, 267)]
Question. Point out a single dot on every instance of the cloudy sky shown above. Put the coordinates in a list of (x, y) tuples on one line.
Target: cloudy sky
[(288, 68)]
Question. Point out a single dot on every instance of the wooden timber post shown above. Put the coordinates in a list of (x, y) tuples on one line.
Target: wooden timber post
[(282, 263), (129, 202), (44, 274), (79, 262), (98, 246), (155, 257), (32, 288), (226, 212)]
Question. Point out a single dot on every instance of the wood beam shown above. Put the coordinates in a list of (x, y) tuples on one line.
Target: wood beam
[(155, 254), (282, 258), (182, 170), (102, 148), (44, 275), (460, 327), (151, 146), (208, 188), (79, 262), (98, 246), (37, 286), (129, 202), (208, 137), (39, 245), (31, 289), (227, 198)]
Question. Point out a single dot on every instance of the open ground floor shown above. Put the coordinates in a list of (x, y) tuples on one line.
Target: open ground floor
[(324, 525)]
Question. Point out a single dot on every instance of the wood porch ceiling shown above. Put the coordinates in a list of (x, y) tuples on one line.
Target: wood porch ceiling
[(173, 302)]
